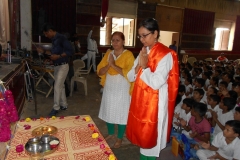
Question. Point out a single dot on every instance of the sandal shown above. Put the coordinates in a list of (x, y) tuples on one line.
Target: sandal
[(109, 137), (118, 143)]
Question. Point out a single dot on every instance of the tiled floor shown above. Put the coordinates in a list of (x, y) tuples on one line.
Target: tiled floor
[(79, 104)]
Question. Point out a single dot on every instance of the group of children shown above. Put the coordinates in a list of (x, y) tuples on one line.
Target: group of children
[(207, 110)]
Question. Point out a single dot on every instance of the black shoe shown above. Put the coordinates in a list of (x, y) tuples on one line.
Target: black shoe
[(63, 108), (53, 113)]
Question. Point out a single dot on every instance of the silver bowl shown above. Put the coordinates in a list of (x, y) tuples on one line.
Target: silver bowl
[(42, 147), (34, 149), (46, 147), (45, 46), (34, 140), (46, 138)]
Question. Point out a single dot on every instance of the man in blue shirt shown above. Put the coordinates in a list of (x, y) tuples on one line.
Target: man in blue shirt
[(61, 50), (173, 46)]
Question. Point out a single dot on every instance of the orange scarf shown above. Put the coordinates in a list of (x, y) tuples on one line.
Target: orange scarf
[(143, 114)]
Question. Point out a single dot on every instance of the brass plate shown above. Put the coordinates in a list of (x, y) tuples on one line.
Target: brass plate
[(51, 130)]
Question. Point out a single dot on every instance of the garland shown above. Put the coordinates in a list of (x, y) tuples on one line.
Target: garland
[(8, 113)]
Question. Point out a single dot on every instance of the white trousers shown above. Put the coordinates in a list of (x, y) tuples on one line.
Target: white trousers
[(60, 74), (91, 56), (203, 154)]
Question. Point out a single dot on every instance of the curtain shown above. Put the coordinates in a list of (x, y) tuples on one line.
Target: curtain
[(236, 46), (4, 23), (60, 13), (198, 22)]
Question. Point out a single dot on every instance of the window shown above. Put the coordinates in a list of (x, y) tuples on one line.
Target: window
[(221, 39), (224, 35), (125, 25), (121, 19)]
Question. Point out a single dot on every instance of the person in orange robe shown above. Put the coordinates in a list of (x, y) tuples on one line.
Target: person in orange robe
[(156, 76), (222, 58)]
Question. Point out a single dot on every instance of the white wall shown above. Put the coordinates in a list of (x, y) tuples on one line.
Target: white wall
[(26, 24), (166, 38)]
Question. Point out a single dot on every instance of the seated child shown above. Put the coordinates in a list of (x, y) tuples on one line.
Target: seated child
[(199, 126), (222, 88), (177, 108), (181, 92), (225, 145), (183, 115), (237, 89), (214, 82), (211, 90), (198, 95), (213, 101), (206, 77), (220, 118), (188, 85), (237, 114)]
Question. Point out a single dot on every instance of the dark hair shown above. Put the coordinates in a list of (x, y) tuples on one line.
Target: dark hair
[(215, 91), (230, 76), (178, 99), (189, 66), (233, 94), (229, 102), (189, 79), (75, 39), (215, 98), (237, 78), (215, 79), (219, 71), (47, 26), (189, 102), (224, 83), (201, 81), (199, 70), (150, 24), (200, 91), (207, 74), (235, 124), (181, 88), (237, 109), (120, 34), (200, 108), (209, 68)]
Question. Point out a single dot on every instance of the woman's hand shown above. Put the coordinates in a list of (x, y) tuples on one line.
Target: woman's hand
[(111, 60), (143, 58)]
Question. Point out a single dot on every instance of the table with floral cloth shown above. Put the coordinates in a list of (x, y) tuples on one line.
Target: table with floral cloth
[(79, 138)]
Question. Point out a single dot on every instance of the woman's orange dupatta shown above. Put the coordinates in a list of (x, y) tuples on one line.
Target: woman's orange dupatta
[(143, 114)]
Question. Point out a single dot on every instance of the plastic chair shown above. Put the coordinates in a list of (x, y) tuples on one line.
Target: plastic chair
[(84, 71), (77, 66), (208, 59), (191, 60)]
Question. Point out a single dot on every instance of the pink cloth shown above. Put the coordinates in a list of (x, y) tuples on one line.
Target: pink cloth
[(201, 127)]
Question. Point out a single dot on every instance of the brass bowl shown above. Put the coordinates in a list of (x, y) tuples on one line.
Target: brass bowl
[(50, 130)]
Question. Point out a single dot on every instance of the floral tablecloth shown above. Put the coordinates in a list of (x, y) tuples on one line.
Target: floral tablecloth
[(77, 135)]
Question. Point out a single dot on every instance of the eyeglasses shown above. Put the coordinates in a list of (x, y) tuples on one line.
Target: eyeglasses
[(144, 36)]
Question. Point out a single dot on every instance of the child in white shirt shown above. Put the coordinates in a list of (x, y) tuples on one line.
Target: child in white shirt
[(213, 101), (188, 85), (225, 145), (220, 118)]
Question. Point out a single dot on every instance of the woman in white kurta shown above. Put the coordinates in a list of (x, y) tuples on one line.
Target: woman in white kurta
[(157, 80), (115, 102)]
